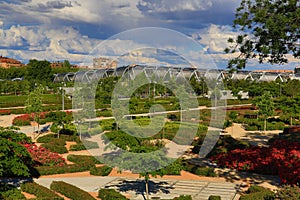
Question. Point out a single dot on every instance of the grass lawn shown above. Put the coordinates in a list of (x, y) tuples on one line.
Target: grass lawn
[(14, 100)]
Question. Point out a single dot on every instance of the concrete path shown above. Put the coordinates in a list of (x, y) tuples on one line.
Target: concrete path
[(163, 188)]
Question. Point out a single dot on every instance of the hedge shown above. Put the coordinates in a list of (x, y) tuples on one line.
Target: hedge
[(55, 148), (183, 197), (84, 146), (49, 170), (100, 171), (40, 192), (213, 197), (110, 194), (258, 193), (70, 191), (10, 192), (83, 159)]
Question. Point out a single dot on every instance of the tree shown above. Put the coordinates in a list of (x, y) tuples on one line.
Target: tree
[(271, 30), (33, 104), (265, 105), (15, 161), (292, 88), (39, 71)]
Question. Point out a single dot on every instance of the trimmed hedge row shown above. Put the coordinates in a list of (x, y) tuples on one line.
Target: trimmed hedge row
[(83, 159), (258, 193), (40, 192), (110, 194), (82, 163), (49, 170), (70, 191), (213, 197), (83, 146), (55, 148), (100, 171), (183, 197), (10, 192)]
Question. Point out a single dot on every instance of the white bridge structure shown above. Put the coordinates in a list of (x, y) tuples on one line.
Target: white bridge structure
[(167, 73)]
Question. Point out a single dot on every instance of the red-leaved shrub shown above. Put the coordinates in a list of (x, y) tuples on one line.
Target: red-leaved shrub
[(43, 156), (281, 158)]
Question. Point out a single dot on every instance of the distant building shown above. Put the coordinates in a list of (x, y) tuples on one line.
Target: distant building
[(9, 62), (57, 64), (104, 63)]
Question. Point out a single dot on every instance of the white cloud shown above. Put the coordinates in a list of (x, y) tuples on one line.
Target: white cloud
[(215, 37), (174, 5)]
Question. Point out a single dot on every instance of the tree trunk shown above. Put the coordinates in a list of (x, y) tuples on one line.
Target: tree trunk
[(265, 125), (291, 121), (147, 189)]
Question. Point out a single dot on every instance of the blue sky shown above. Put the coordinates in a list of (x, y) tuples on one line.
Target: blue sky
[(58, 30)]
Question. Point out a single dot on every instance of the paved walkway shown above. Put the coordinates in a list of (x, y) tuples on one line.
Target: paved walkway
[(163, 188)]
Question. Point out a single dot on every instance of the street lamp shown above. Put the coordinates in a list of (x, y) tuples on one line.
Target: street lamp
[(63, 95)]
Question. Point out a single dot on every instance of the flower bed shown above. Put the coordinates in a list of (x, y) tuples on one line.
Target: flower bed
[(280, 158), (43, 156)]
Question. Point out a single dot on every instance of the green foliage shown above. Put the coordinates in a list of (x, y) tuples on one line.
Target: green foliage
[(49, 170), (39, 71), (275, 27), (15, 161), (213, 197), (107, 125), (201, 171), (83, 146), (55, 147), (183, 197), (40, 191), (289, 192), (100, 171), (110, 194), (82, 159), (10, 192), (70, 191), (225, 144), (258, 193)]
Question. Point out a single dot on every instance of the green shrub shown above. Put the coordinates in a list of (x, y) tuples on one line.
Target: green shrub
[(183, 197), (10, 192), (83, 146), (100, 171), (70, 191), (212, 197), (83, 159), (289, 192), (49, 170), (55, 148), (46, 138), (201, 171), (110, 194), (255, 188), (258, 193), (40, 192), (107, 124)]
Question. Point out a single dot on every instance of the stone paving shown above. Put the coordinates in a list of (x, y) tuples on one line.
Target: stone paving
[(163, 188)]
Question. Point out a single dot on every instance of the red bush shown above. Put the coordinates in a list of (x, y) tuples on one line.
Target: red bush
[(5, 112), (280, 158), (43, 156)]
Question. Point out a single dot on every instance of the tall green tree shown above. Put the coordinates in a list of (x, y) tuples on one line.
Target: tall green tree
[(15, 161), (266, 107), (270, 31), (39, 71), (34, 104)]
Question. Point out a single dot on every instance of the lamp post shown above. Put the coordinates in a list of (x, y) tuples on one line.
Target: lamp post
[(63, 96)]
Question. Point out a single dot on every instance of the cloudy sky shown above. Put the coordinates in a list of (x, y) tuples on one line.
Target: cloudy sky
[(70, 30)]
